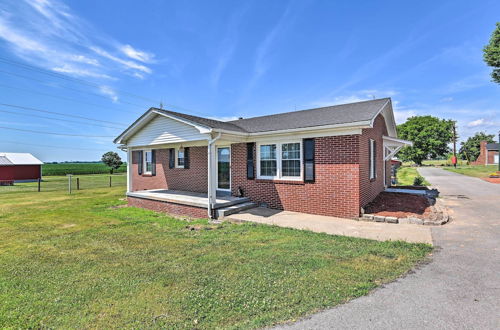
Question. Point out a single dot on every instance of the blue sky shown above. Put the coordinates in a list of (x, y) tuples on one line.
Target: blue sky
[(225, 59)]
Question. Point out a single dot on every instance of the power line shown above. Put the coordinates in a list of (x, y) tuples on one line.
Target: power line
[(88, 83), (58, 119), (59, 113), (67, 87), (48, 146), (61, 97), (52, 133), (66, 77)]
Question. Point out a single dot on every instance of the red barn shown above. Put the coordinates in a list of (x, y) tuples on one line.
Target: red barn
[(19, 167)]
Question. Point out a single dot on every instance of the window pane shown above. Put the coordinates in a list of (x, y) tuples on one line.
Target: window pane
[(268, 167), (149, 159), (268, 151), (180, 157), (290, 150), (290, 167), (290, 163)]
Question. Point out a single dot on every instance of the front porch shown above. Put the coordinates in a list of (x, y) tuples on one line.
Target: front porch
[(189, 203)]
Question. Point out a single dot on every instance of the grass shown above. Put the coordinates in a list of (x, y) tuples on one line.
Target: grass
[(406, 175), (60, 183), (79, 168), (82, 261), (437, 162), (478, 171)]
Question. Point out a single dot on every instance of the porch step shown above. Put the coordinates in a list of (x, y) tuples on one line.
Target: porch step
[(224, 212), (235, 201)]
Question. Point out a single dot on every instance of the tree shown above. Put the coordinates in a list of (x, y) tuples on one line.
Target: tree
[(430, 137), (470, 149), (491, 54), (112, 159)]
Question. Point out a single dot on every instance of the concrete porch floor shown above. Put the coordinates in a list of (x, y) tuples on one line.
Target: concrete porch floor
[(336, 226), (190, 198)]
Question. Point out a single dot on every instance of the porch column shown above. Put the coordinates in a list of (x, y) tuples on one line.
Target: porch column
[(212, 172), (129, 170)]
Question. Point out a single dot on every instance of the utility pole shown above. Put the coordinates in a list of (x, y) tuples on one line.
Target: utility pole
[(454, 160)]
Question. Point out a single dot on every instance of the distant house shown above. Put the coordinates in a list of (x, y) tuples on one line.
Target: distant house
[(19, 167), (488, 154), (329, 161)]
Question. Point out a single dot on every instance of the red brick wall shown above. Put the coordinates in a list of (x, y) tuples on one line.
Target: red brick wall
[(335, 191), (171, 208), (484, 153), (369, 189), (192, 179)]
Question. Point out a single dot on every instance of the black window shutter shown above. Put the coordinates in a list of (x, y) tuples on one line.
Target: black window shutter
[(153, 162), (139, 162), (309, 170), (250, 161), (186, 158), (171, 158)]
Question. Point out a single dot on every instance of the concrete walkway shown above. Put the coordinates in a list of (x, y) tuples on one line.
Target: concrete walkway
[(337, 226), (459, 289)]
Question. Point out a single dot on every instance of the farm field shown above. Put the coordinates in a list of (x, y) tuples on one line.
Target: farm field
[(78, 168), (85, 261)]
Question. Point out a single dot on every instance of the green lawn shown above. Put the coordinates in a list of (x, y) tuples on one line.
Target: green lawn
[(479, 171), (406, 175), (438, 162), (81, 261)]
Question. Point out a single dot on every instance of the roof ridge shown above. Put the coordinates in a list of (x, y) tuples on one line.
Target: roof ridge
[(303, 110)]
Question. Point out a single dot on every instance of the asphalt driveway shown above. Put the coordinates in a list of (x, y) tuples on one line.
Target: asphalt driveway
[(459, 289)]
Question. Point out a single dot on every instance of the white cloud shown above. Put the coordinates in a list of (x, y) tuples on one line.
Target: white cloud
[(46, 33), (447, 99), (476, 123), (136, 54), (108, 91), (402, 115)]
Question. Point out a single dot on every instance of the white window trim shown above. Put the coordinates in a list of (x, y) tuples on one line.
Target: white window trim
[(144, 160), (372, 160), (177, 157), (279, 159), (217, 167)]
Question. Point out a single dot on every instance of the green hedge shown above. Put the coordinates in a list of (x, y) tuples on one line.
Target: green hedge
[(78, 168)]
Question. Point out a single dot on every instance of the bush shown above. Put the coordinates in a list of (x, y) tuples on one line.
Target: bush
[(418, 181)]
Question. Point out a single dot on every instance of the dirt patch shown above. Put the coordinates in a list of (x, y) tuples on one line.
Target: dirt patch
[(492, 180), (400, 206)]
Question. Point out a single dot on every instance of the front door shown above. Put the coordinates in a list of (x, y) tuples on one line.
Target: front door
[(224, 168)]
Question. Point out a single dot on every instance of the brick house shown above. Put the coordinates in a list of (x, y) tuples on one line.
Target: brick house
[(488, 154), (329, 161)]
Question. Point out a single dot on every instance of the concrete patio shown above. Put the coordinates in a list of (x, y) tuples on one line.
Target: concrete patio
[(335, 226)]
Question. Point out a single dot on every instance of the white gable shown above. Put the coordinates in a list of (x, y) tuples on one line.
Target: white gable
[(162, 130)]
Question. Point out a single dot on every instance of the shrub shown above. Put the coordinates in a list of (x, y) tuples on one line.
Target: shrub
[(418, 181)]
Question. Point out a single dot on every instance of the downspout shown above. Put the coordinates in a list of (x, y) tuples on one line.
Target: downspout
[(211, 198)]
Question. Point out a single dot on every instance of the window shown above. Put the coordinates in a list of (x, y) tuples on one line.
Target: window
[(290, 159), (372, 159), (268, 161), (148, 161), (280, 161), (180, 158)]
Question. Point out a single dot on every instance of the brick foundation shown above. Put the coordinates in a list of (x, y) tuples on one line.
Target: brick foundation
[(167, 207)]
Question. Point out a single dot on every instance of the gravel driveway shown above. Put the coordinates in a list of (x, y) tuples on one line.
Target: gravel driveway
[(459, 289)]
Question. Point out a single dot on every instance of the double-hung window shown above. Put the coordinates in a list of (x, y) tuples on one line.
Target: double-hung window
[(148, 161), (180, 158), (373, 159), (280, 161)]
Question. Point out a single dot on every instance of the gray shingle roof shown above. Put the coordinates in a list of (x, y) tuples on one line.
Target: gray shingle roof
[(492, 146), (332, 115), (212, 123)]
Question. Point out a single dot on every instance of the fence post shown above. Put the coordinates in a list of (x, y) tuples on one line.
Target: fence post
[(39, 180), (69, 182), (110, 181), (77, 183)]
